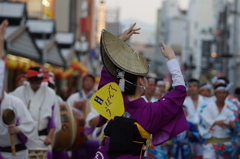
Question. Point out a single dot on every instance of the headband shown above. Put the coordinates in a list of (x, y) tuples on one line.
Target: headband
[(151, 79), (50, 80), (226, 88), (161, 82), (33, 73), (207, 85)]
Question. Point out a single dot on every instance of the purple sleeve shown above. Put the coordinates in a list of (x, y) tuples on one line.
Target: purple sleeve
[(51, 123), (21, 137), (1, 156), (168, 119), (105, 79)]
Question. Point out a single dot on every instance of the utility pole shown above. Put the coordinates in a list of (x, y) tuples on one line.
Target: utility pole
[(222, 42), (235, 42)]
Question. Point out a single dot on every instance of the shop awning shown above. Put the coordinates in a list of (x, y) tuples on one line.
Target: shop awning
[(53, 55), (20, 42), (43, 32), (69, 55), (41, 26), (15, 13), (65, 42)]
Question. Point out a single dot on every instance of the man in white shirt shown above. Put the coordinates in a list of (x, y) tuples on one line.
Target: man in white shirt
[(42, 104), (80, 101), (217, 119), (193, 103), (205, 90), (149, 94), (161, 85)]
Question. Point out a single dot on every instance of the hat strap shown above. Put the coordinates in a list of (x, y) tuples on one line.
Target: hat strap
[(143, 87)]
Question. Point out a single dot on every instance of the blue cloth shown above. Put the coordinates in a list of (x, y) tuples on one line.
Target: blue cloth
[(182, 141)]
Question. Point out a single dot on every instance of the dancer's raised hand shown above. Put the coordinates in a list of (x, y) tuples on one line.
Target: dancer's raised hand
[(167, 51), (129, 32), (3, 28)]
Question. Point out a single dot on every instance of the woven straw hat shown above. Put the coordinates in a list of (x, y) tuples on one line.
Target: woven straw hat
[(117, 54)]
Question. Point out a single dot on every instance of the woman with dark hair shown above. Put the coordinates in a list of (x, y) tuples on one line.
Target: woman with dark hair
[(163, 119)]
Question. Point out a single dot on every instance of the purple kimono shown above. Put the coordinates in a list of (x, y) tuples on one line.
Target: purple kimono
[(163, 119)]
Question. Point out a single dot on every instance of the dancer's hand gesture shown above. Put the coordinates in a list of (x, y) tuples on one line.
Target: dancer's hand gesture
[(48, 141), (129, 32), (3, 28), (12, 129), (167, 51)]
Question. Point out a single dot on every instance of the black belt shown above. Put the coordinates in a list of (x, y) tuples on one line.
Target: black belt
[(43, 132), (18, 147)]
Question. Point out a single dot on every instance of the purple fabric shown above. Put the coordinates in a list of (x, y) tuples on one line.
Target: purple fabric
[(101, 154), (49, 155), (21, 137), (51, 123), (164, 118), (87, 151), (1, 156), (60, 155), (88, 131)]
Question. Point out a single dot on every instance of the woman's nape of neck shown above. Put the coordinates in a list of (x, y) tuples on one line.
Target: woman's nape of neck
[(138, 94)]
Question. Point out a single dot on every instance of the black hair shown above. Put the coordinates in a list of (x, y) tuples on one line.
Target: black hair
[(203, 84), (51, 85), (220, 85), (35, 78), (193, 80), (159, 79), (184, 107), (35, 68), (130, 88), (237, 91), (224, 78), (89, 75)]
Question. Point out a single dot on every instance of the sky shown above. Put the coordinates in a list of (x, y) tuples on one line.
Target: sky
[(141, 10)]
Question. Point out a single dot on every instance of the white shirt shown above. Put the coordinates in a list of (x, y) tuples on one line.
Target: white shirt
[(79, 97), (209, 113), (153, 99), (193, 113)]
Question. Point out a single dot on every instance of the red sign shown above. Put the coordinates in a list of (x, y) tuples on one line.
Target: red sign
[(83, 25)]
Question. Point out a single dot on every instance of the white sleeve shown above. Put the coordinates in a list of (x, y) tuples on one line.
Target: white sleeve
[(26, 124), (60, 100), (93, 113), (175, 72), (2, 70), (70, 101)]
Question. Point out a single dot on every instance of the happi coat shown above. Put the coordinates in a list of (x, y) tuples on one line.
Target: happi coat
[(25, 123), (43, 107)]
